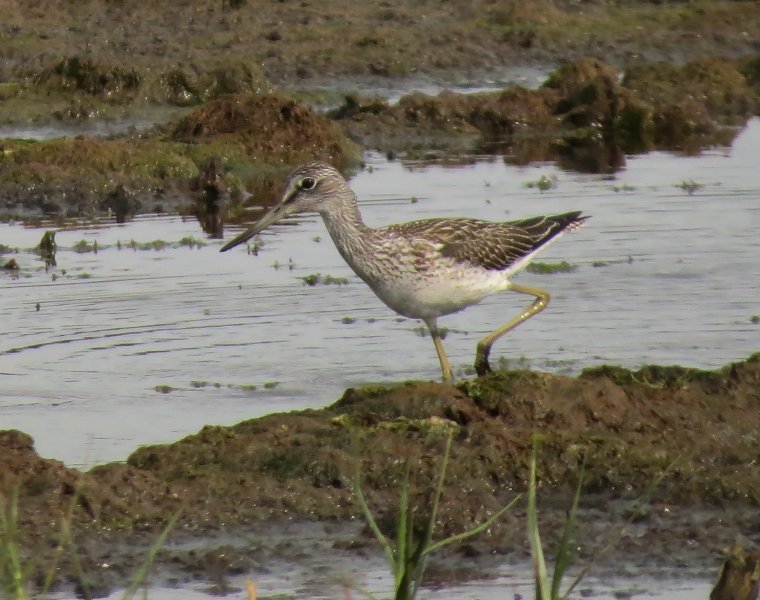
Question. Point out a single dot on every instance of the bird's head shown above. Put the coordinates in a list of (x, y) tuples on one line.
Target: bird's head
[(312, 187)]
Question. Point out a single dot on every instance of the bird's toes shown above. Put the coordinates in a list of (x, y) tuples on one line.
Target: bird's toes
[(482, 365)]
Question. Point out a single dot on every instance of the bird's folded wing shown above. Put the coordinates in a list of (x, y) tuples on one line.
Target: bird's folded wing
[(496, 249)]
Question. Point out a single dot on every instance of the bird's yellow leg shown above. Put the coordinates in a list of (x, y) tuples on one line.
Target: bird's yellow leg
[(484, 346), (432, 324)]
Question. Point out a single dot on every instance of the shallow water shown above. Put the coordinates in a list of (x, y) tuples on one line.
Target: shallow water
[(148, 118), (320, 568), (506, 584), (80, 373), (379, 87)]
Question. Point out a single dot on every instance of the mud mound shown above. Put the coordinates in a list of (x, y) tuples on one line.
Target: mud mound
[(267, 127), (88, 76), (627, 426), (583, 116), (697, 430)]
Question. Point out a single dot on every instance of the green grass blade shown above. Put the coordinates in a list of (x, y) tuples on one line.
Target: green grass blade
[(475, 530), (372, 523), (543, 589), (565, 553), (11, 568), (64, 541), (420, 554), (141, 576), (403, 532)]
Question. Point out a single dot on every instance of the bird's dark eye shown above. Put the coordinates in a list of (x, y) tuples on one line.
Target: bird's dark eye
[(307, 183)]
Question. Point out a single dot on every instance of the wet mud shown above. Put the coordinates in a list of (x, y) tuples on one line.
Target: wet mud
[(673, 94), (251, 140), (585, 117), (693, 432)]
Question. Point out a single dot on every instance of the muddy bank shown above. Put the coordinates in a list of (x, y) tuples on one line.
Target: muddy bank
[(586, 116), (697, 430), (178, 49), (208, 162), (212, 155)]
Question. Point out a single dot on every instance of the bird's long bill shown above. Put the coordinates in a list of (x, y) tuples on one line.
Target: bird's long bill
[(275, 214)]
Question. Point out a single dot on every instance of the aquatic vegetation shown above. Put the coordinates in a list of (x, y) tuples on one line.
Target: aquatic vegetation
[(755, 319), (191, 242), (47, 247), (615, 261), (245, 387), (348, 320), (154, 245), (164, 389), (422, 331), (83, 247), (253, 248), (550, 268), (319, 279), (11, 265), (690, 186), (543, 183), (655, 376)]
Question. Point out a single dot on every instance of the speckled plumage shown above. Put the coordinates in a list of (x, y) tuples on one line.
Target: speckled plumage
[(422, 269)]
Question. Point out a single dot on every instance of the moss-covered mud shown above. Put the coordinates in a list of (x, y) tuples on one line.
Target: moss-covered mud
[(189, 48), (585, 116), (210, 159), (696, 432), (203, 162), (690, 78)]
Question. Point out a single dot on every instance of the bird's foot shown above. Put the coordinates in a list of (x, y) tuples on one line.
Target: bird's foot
[(482, 366)]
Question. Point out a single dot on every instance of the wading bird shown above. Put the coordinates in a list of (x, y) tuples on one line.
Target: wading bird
[(423, 269)]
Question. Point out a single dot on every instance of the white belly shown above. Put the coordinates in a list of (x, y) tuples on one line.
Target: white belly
[(432, 297)]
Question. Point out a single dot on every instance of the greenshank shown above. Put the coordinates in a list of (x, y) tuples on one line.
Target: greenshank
[(423, 269)]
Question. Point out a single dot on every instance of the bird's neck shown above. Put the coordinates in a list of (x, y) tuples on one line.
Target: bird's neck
[(351, 236)]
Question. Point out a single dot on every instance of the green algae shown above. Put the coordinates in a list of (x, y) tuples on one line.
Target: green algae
[(543, 268), (315, 279), (656, 376)]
